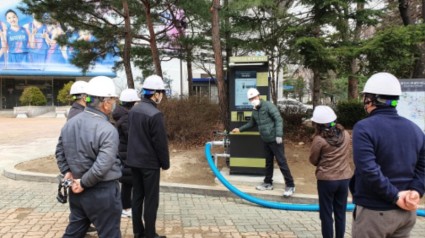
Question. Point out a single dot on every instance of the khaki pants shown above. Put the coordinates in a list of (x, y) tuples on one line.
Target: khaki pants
[(376, 224)]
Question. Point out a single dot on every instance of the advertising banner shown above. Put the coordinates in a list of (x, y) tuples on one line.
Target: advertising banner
[(29, 46)]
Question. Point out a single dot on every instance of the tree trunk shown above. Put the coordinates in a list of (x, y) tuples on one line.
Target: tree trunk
[(316, 87), (228, 47), (272, 79), (127, 45), (403, 7), (353, 81), (152, 39), (419, 69), (215, 31), (189, 71), (423, 10)]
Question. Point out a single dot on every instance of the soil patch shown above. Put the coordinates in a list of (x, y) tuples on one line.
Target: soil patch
[(189, 166)]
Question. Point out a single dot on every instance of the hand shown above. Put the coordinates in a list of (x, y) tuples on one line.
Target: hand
[(68, 175), (236, 130), (412, 199), (279, 140), (76, 186), (408, 200)]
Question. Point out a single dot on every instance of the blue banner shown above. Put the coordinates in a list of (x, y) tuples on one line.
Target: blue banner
[(28, 46)]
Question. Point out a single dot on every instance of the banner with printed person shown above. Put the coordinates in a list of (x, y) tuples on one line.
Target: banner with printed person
[(29, 46)]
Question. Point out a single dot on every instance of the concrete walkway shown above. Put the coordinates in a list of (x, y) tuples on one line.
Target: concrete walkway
[(28, 207)]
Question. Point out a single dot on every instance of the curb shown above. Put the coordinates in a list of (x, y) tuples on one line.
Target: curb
[(215, 191)]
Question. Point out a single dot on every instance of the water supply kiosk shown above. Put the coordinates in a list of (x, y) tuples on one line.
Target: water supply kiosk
[(246, 148)]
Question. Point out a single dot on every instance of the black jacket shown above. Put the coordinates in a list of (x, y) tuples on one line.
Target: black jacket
[(120, 116), (147, 138)]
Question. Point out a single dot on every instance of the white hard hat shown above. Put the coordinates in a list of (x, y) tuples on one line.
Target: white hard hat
[(129, 95), (252, 92), (323, 115), (153, 82), (101, 86), (383, 84), (78, 87)]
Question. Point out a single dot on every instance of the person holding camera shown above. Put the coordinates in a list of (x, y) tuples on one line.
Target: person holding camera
[(86, 153)]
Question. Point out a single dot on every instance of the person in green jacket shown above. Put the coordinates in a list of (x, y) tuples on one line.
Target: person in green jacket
[(270, 125)]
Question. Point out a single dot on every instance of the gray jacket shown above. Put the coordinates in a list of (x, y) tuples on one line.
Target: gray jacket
[(88, 147)]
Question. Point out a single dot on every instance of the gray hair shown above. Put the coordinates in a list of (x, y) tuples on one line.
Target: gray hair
[(95, 102)]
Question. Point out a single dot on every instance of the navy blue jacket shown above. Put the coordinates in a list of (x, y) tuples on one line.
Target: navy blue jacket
[(147, 138), (389, 155)]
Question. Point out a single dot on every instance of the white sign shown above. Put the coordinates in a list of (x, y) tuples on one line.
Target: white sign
[(412, 101)]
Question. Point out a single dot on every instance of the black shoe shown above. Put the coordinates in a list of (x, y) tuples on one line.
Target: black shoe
[(91, 229)]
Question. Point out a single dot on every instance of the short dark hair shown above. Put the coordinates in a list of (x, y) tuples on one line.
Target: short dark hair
[(10, 11)]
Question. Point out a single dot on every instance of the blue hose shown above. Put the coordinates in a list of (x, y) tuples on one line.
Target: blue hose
[(265, 203)]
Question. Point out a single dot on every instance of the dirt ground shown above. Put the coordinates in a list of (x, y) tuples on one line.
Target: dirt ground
[(191, 167)]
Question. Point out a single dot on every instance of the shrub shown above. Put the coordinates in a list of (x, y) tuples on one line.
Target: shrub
[(32, 95), (190, 121), (350, 112), (293, 125), (63, 95)]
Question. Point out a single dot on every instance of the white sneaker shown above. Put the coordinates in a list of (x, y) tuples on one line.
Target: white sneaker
[(126, 213), (264, 186), (289, 191)]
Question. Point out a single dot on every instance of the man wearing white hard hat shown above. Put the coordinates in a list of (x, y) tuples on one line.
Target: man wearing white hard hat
[(79, 93), (128, 98), (147, 155), (389, 156), (86, 153), (330, 153), (270, 125)]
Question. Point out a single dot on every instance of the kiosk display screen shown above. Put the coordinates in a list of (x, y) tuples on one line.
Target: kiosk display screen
[(243, 81)]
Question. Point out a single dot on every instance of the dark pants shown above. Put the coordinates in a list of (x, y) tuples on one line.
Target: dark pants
[(100, 205), (332, 199), (126, 187), (272, 150), (126, 195), (145, 201)]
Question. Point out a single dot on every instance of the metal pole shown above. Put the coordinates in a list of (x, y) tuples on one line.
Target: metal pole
[(181, 77)]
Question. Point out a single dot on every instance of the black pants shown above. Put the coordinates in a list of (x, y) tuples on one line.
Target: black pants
[(272, 150), (332, 199), (100, 205), (126, 190), (145, 201), (126, 187)]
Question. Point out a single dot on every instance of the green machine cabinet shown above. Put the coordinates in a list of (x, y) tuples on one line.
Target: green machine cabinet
[(246, 154), (246, 149)]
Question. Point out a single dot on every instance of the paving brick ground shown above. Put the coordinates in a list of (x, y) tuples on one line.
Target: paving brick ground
[(30, 210)]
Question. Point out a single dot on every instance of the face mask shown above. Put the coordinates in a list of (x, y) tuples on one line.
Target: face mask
[(255, 102), (114, 105)]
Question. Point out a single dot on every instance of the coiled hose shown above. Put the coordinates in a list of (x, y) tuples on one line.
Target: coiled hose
[(262, 202)]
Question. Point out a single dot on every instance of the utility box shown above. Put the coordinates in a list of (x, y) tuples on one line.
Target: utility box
[(247, 154)]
